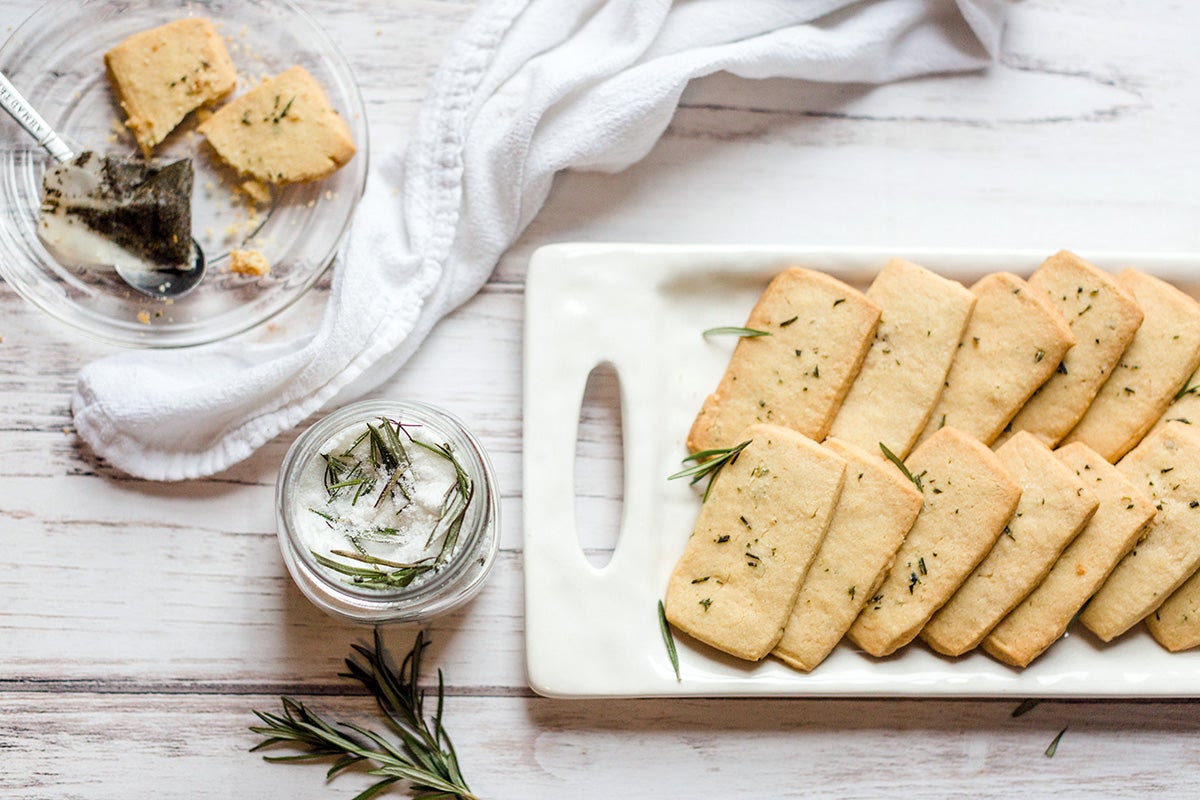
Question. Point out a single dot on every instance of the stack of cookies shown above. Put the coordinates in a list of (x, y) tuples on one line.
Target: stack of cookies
[(971, 467)]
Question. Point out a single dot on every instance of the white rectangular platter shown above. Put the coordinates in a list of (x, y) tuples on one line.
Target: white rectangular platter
[(594, 632)]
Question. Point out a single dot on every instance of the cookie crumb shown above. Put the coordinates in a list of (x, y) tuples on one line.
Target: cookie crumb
[(257, 191), (248, 262)]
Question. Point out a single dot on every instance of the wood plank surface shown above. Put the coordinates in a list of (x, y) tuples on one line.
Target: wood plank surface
[(140, 623), (101, 746)]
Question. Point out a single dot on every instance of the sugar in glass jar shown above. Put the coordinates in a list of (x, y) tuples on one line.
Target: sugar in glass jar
[(387, 511)]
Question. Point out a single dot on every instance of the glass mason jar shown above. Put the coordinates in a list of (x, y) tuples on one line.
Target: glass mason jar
[(333, 563)]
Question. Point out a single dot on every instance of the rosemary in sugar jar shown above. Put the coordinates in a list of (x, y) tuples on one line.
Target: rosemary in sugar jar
[(387, 512)]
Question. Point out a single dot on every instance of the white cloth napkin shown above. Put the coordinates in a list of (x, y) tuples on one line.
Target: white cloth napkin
[(528, 88)]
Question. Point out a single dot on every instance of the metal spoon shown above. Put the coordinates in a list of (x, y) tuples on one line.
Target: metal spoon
[(158, 283)]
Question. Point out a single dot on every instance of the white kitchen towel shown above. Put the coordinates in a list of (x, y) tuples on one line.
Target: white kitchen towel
[(528, 88)]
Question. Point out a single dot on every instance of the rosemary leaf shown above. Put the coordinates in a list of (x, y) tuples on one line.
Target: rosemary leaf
[(423, 757), (393, 482), (357, 441), (1188, 388), (1025, 707), (348, 760), (391, 432), (1053, 748), (381, 451), (455, 526), (892, 457), (668, 639), (329, 518), (383, 562), (375, 789), (399, 575), (347, 483), (730, 330)]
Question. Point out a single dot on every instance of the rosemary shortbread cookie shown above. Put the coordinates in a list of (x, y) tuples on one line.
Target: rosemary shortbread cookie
[(923, 319), (1103, 317), (161, 75), (968, 499), (1053, 509), (877, 507), (1014, 341), (1176, 623), (758, 529), (1166, 465), (818, 331), (1156, 365), (1043, 616), (282, 131)]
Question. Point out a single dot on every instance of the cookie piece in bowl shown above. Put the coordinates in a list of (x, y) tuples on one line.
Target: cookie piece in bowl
[(282, 131), (163, 74)]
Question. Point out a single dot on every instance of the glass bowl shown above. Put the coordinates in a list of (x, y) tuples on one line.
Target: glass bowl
[(56, 59)]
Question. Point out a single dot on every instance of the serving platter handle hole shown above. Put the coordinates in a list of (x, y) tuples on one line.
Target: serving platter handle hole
[(599, 466)]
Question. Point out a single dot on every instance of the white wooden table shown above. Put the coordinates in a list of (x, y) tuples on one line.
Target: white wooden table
[(141, 623)]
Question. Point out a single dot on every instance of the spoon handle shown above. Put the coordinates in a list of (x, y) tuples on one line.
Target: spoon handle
[(32, 122)]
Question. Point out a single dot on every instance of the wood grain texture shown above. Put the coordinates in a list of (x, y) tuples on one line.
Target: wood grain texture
[(101, 746), (131, 610)]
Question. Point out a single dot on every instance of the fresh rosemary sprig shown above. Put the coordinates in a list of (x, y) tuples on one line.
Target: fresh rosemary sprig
[(708, 463), (424, 756), (731, 330), (895, 459)]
